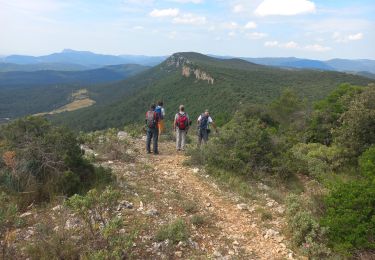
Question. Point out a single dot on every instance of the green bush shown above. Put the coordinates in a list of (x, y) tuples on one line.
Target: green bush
[(327, 112), (306, 231), (316, 159), (43, 160), (175, 232), (350, 216), (357, 131), (199, 220), (244, 146), (367, 162)]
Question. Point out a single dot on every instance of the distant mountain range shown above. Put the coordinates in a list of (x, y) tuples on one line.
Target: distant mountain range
[(343, 65), (83, 60)]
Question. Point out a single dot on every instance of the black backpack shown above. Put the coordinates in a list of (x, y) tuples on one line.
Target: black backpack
[(203, 122)]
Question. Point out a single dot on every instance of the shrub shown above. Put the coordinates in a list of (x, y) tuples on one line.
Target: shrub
[(327, 112), (190, 206), (316, 159), (98, 232), (367, 162), (357, 131), (102, 227), (175, 232), (199, 220), (305, 228), (350, 216), (43, 160), (244, 146)]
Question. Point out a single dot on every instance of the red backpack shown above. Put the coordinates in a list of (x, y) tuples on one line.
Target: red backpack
[(151, 119), (182, 121)]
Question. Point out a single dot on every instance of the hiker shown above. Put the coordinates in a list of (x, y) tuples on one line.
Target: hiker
[(204, 121), (161, 112), (152, 119), (181, 126)]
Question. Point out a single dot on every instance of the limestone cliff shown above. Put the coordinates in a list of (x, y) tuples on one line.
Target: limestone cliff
[(189, 69)]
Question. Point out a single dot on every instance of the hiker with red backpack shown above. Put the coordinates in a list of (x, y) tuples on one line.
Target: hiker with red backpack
[(181, 126), (152, 120), (204, 121)]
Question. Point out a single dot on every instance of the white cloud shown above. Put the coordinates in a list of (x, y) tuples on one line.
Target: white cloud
[(230, 26), (296, 46), (355, 37), (250, 25), (190, 19), (238, 8), (271, 43), (170, 12), (317, 47), (256, 35), (285, 7), (290, 45), (338, 37), (231, 34)]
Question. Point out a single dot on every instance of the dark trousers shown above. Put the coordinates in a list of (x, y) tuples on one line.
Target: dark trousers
[(202, 136), (152, 134)]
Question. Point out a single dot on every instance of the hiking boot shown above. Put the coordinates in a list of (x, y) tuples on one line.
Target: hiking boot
[(156, 153)]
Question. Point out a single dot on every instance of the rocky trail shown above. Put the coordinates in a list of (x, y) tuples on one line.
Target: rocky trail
[(158, 191), (166, 189)]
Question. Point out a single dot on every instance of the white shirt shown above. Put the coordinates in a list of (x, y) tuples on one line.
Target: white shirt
[(209, 119)]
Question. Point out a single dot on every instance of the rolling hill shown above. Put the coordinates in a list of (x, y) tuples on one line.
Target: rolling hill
[(7, 67), (48, 77), (199, 82), (24, 93)]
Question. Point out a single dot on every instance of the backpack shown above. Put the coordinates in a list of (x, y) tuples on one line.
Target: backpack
[(203, 122), (182, 121), (159, 111), (151, 119)]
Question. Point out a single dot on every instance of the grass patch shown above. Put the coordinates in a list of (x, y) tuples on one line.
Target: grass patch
[(190, 207), (175, 232), (199, 220), (232, 182)]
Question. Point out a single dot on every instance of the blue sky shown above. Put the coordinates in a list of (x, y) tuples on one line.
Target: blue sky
[(318, 29)]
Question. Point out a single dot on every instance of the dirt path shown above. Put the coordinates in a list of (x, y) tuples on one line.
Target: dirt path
[(238, 223)]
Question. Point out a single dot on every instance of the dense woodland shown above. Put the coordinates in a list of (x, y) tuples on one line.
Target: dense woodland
[(236, 82)]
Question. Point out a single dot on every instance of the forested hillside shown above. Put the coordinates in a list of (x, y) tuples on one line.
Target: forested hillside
[(25, 93), (199, 82)]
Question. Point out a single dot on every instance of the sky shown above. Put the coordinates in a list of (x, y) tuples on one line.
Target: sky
[(315, 29)]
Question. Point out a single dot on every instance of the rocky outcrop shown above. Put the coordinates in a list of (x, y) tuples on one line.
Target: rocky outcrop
[(188, 69), (198, 73)]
